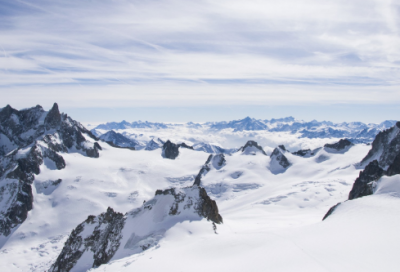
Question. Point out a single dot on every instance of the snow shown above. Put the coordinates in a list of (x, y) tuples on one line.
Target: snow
[(271, 222), (359, 238)]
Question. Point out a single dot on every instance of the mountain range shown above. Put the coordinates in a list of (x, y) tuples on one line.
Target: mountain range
[(73, 201), (354, 131)]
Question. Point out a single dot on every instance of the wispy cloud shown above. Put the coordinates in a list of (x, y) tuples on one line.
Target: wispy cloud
[(237, 51)]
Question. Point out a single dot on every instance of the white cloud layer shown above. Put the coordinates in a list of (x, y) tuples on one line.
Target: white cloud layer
[(136, 53)]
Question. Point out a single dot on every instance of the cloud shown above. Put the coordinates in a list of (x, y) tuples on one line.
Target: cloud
[(201, 51)]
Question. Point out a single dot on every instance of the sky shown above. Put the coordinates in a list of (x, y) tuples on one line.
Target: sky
[(179, 61)]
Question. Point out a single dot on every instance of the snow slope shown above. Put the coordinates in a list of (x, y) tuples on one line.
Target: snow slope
[(244, 189)]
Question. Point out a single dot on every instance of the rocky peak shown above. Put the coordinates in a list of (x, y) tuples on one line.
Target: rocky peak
[(385, 147), (252, 148), (53, 118), (279, 163), (340, 147), (5, 113), (213, 161), (363, 185), (100, 235), (170, 150)]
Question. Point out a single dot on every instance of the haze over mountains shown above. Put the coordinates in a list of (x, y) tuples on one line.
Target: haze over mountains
[(140, 195), (212, 137)]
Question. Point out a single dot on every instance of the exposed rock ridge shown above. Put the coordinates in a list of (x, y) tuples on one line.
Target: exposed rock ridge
[(113, 235), (171, 150), (251, 147), (342, 144), (213, 161), (364, 184), (385, 147), (306, 153), (331, 210), (278, 157), (340, 147), (99, 234)]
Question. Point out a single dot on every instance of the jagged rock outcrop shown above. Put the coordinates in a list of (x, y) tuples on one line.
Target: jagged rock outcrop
[(306, 153), (394, 168), (171, 150), (53, 118), (112, 235), (28, 139), (208, 208), (184, 145), (363, 185), (279, 163), (385, 147), (99, 235), (340, 147), (252, 148), (213, 161)]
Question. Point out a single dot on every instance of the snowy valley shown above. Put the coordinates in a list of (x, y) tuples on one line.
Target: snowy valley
[(245, 195)]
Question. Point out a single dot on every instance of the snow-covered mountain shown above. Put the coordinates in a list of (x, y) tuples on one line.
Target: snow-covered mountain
[(222, 137), (70, 202), (117, 139), (31, 138), (137, 124)]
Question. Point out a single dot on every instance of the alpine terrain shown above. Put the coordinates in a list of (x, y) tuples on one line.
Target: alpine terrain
[(244, 195)]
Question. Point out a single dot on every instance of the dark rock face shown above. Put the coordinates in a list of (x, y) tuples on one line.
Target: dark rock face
[(208, 208), (183, 145), (342, 145), (53, 118), (102, 239), (363, 185), (249, 145), (203, 171), (331, 210), (278, 156), (170, 150), (394, 168), (116, 146), (385, 147)]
